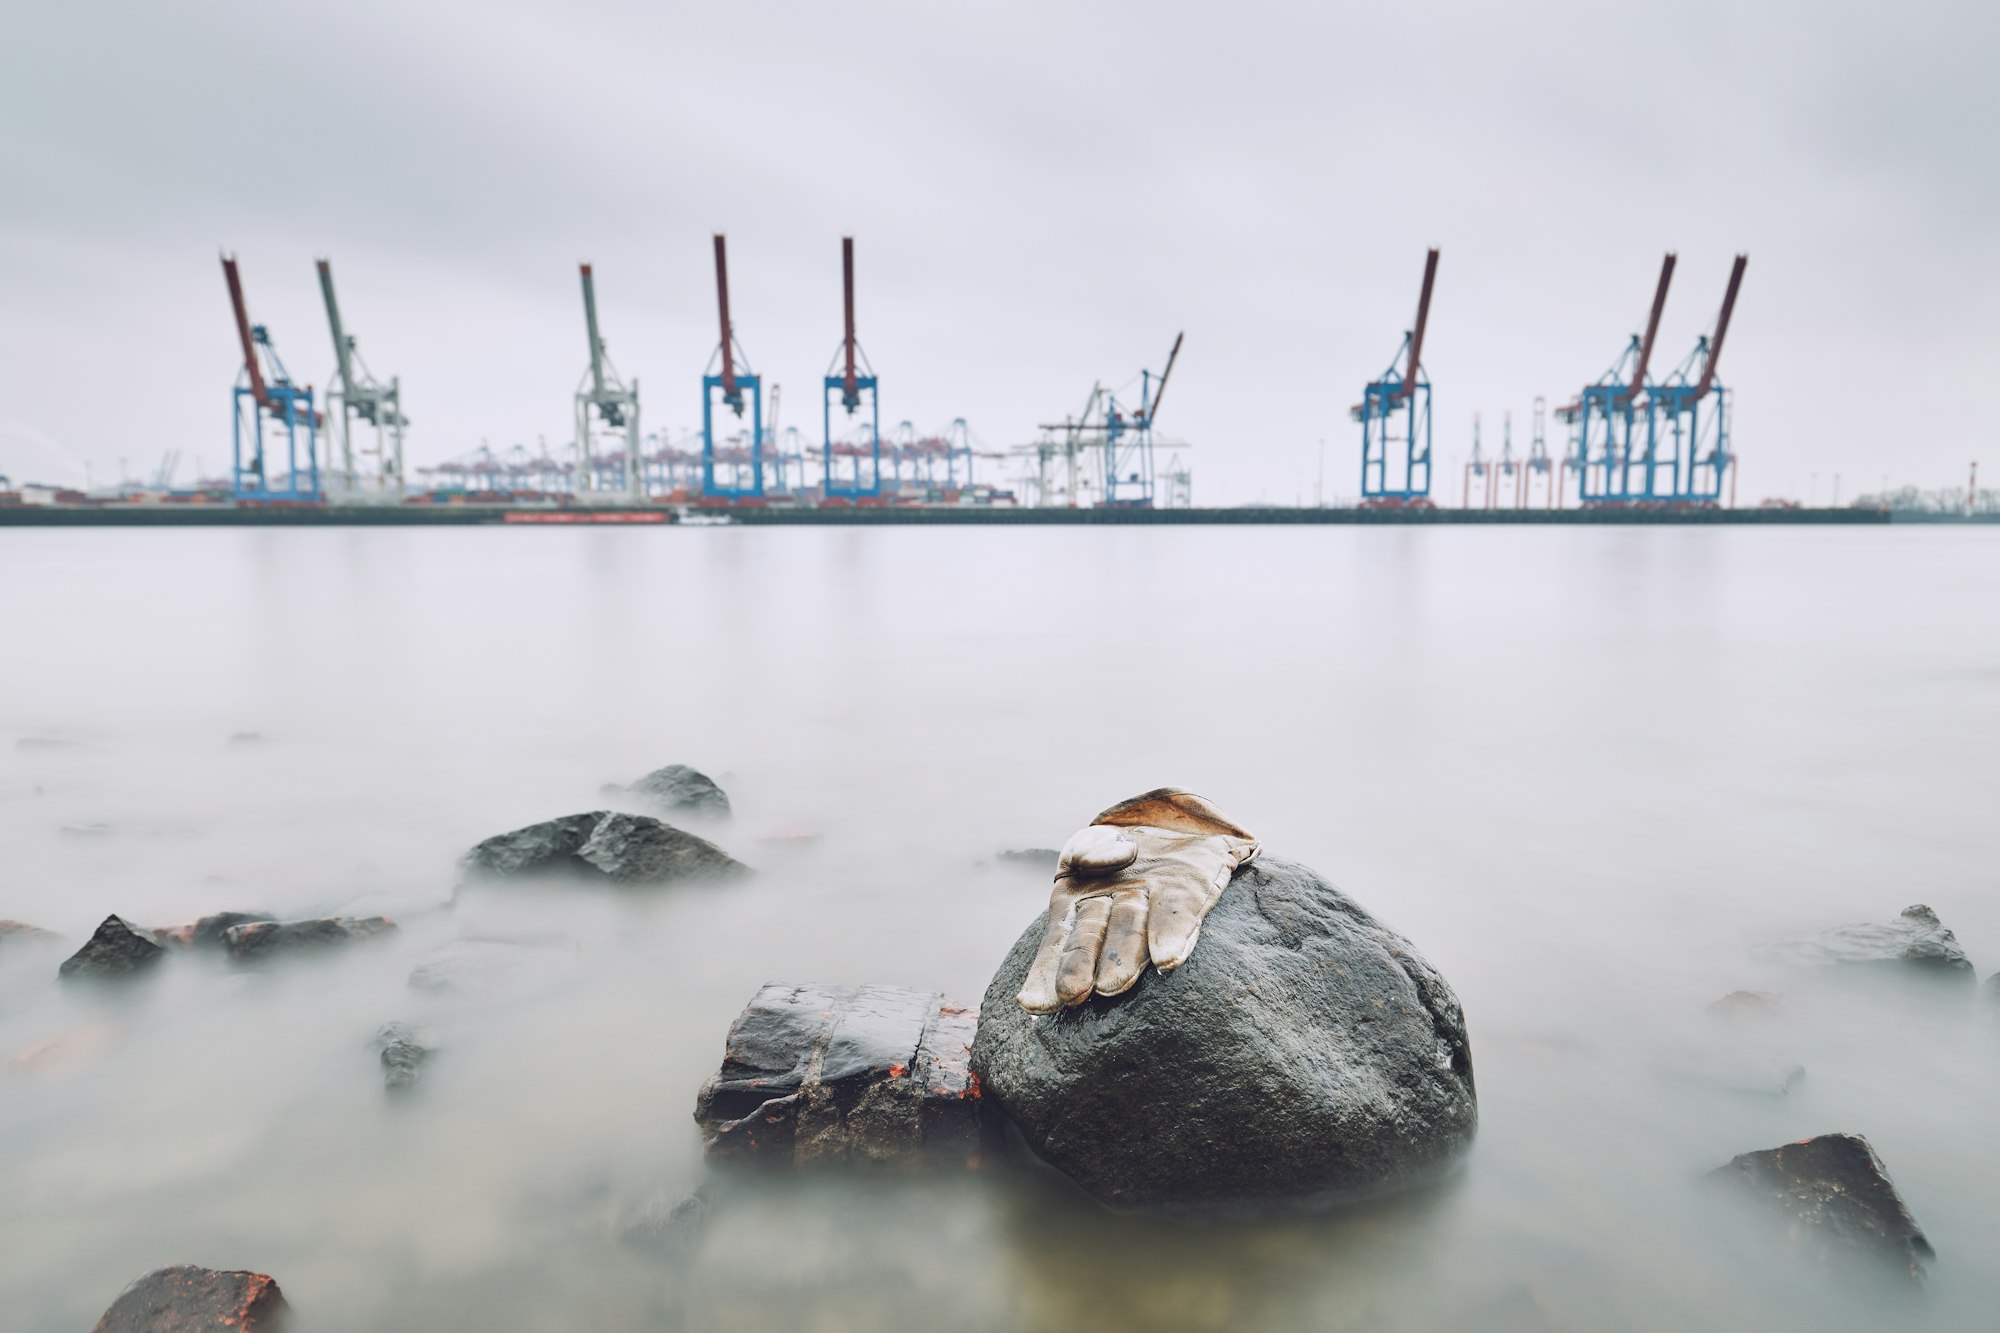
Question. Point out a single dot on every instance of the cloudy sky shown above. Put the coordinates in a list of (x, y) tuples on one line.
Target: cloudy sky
[(1042, 195)]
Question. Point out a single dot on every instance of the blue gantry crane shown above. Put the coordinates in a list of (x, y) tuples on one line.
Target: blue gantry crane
[(264, 402), (1128, 439), (1692, 446), (855, 386), (729, 382), (1395, 417), (1614, 421)]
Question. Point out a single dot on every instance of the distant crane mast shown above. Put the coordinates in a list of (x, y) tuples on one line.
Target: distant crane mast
[(1694, 447), (855, 385), (1395, 410), (1614, 447), (264, 396), (604, 397), (357, 395), (724, 386)]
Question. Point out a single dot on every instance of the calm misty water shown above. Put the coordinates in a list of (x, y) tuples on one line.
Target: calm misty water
[(1586, 771)]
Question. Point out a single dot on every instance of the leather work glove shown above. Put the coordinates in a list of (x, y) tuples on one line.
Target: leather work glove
[(1132, 888)]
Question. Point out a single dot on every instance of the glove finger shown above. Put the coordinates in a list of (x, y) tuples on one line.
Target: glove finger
[(1173, 924), (1125, 953), (1078, 971), (1038, 992)]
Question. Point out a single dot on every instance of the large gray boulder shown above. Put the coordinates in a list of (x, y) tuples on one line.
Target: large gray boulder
[(603, 846), (1304, 1053)]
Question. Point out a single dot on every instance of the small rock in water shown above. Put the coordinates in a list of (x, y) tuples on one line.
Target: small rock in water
[(1916, 938), (669, 1225), (837, 1073), (92, 830), (678, 789), (490, 969), (1303, 1053), (1837, 1202), (1748, 1004), (405, 1050), (1756, 1073), (51, 743), (187, 1299), (263, 939), (247, 738), (208, 932), (1031, 858), (20, 932), (604, 846), (117, 949)]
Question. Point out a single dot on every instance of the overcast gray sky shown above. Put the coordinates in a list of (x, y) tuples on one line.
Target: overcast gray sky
[(1042, 194)]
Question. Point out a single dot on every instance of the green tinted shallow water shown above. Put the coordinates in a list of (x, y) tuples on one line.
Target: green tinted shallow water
[(1584, 770)]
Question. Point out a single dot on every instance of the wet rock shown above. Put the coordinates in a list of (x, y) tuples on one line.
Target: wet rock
[(1753, 1073), (1303, 1053), (1915, 939), (1757, 1004), (832, 1073), (186, 1299), (208, 932), (491, 969), (603, 846), (678, 789), (257, 940), (91, 830), (1031, 858), (117, 949), (405, 1050), (20, 932), (1837, 1202), (247, 738), (670, 1225), (633, 849), (549, 847)]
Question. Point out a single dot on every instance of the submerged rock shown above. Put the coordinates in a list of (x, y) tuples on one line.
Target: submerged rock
[(187, 1299), (490, 969), (832, 1073), (1837, 1201), (117, 949), (1752, 1004), (1916, 939), (1031, 858), (265, 939), (669, 1225), (1303, 1053), (679, 789), (20, 932), (405, 1050), (604, 846), (207, 932)]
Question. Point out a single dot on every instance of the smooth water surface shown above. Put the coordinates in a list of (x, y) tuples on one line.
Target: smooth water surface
[(1586, 771)]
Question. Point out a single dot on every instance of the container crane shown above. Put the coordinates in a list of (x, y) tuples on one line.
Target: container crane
[(1507, 465), (1477, 466), (602, 397), (263, 402), (1128, 439), (357, 395), (1539, 464), (1695, 449), (855, 386), (729, 382), (1395, 410), (1614, 444)]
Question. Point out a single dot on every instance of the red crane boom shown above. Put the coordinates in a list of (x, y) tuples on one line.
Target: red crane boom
[(1409, 384), (258, 389), (849, 393), (1721, 327), (1652, 327), (729, 390)]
